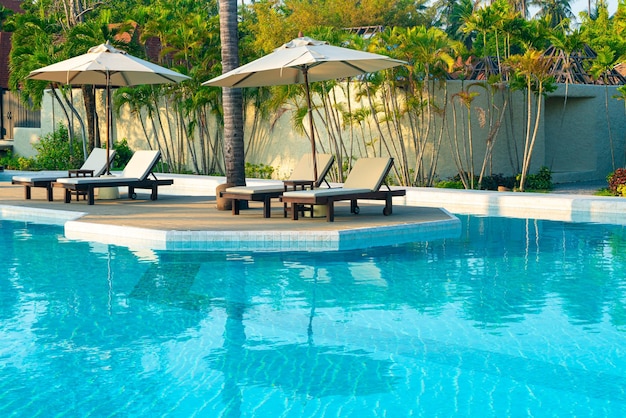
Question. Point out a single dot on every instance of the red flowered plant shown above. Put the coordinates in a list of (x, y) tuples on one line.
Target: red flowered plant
[(617, 179)]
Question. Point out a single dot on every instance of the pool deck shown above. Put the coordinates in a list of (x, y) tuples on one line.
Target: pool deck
[(191, 222), (185, 217)]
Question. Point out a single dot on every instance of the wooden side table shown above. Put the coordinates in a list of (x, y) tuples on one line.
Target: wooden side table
[(80, 173), (291, 185)]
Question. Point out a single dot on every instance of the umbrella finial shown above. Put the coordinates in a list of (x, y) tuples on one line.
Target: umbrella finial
[(105, 47), (300, 34)]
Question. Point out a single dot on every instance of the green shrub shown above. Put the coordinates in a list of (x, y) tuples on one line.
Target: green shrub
[(13, 162), (259, 171), (450, 184), (123, 154), (540, 181), (603, 192), (494, 181), (55, 153), (25, 164), (489, 182)]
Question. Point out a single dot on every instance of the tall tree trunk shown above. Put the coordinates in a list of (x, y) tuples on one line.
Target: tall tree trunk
[(232, 98), (89, 99)]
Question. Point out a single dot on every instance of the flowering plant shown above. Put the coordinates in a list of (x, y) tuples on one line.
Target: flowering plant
[(617, 182)]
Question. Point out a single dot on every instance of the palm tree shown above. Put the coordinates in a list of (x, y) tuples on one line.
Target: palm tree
[(557, 10), (533, 73), (232, 98), (599, 70)]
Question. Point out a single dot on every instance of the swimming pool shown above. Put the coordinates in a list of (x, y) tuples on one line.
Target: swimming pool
[(514, 318)]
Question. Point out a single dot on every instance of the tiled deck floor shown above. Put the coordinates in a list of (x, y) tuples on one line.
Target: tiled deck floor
[(194, 223)]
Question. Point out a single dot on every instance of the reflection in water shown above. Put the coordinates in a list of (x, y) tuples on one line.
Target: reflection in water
[(307, 370), (234, 337), (386, 329), (303, 368)]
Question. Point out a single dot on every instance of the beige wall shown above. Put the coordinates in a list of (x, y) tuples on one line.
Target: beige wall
[(573, 141)]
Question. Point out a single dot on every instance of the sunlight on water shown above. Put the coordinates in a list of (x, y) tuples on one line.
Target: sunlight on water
[(514, 318)]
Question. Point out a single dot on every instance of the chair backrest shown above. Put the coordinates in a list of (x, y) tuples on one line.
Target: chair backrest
[(304, 169), (141, 164), (97, 161), (368, 173)]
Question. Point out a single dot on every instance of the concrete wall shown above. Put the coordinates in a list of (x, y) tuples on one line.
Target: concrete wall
[(579, 134), (573, 141)]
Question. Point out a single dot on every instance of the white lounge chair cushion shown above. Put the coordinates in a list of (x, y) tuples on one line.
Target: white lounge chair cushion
[(250, 190), (338, 191), (28, 179), (368, 173), (140, 164), (304, 169), (97, 161), (366, 176), (137, 169), (96, 180)]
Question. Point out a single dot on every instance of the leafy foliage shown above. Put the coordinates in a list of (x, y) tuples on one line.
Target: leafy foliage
[(14, 162), (259, 171), (123, 154), (488, 183), (55, 151), (540, 181), (617, 182)]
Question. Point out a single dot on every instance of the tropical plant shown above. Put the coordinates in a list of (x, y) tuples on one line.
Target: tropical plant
[(123, 154), (542, 180), (617, 181), (599, 69), (532, 74), (557, 11), (56, 152)]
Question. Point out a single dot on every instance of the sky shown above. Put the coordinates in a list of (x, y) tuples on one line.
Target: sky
[(581, 5)]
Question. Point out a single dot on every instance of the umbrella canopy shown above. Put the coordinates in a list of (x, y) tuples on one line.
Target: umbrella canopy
[(302, 61), (104, 65)]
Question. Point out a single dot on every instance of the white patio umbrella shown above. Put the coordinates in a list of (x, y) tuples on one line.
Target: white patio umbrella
[(302, 61), (104, 65)]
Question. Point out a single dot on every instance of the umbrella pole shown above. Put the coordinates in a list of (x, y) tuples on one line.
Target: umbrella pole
[(310, 107), (108, 119)]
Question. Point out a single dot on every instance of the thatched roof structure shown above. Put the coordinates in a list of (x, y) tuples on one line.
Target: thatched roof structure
[(571, 70)]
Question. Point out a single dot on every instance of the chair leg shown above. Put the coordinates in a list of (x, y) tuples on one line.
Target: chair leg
[(235, 208), (388, 210), (330, 211), (27, 192), (267, 207)]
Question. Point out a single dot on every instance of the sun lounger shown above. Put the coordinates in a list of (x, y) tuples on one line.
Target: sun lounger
[(363, 182), (301, 178), (137, 175), (93, 166)]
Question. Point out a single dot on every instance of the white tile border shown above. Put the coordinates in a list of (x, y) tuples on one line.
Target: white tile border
[(35, 215), (549, 206), (137, 238)]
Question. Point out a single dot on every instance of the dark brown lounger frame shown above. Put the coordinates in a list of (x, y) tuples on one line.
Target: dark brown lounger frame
[(357, 187), (88, 188)]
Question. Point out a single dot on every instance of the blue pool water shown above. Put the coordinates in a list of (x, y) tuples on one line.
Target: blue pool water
[(515, 318)]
